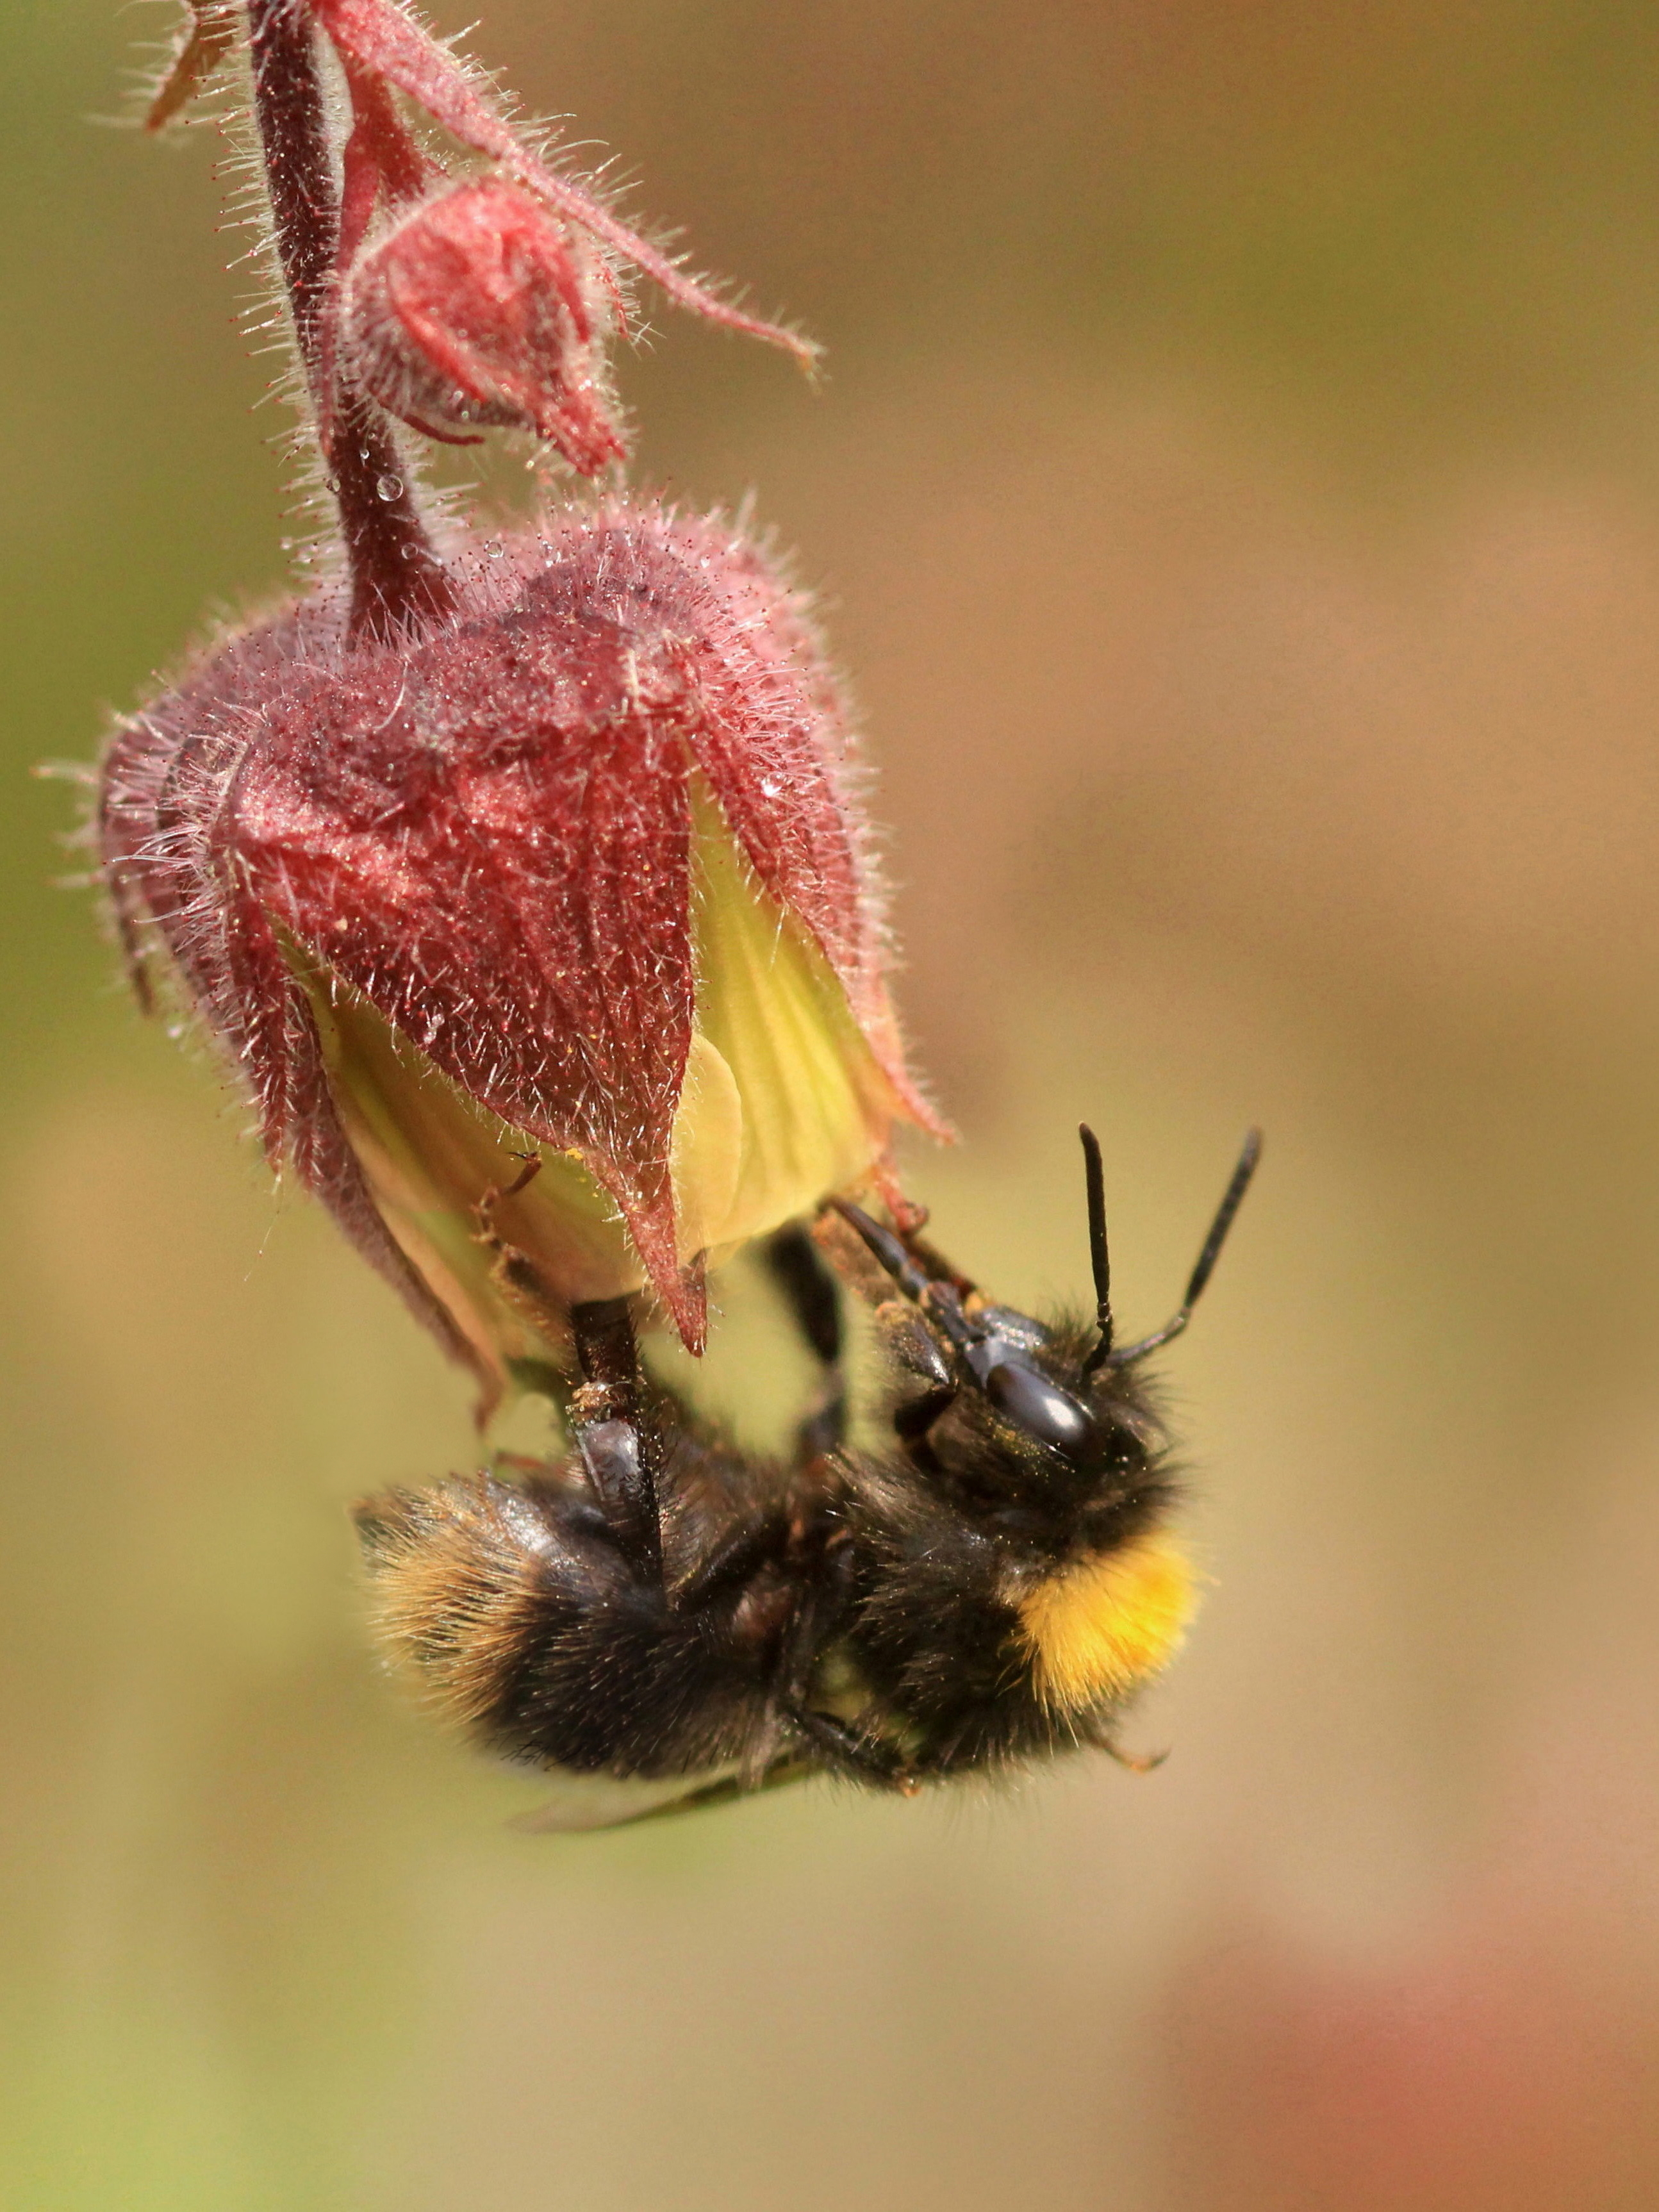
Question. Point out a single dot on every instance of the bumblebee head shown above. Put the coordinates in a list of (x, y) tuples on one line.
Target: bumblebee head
[(1053, 1403)]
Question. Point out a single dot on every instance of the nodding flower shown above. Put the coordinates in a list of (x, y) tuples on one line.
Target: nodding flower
[(522, 878), (580, 877), (451, 298), (477, 308)]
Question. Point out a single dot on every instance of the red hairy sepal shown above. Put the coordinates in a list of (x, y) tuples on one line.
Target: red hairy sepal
[(486, 837), (210, 38), (376, 40), (483, 304), (473, 309)]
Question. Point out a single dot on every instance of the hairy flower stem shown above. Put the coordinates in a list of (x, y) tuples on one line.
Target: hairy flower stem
[(398, 585)]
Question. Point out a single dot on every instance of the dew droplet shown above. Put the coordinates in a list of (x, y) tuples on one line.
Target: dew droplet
[(388, 487)]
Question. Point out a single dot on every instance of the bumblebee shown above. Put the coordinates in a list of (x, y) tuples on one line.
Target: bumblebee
[(661, 1621)]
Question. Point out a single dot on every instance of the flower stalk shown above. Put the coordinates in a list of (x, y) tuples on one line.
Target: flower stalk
[(397, 581)]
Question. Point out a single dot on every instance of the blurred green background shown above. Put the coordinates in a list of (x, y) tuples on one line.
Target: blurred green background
[(1237, 499)]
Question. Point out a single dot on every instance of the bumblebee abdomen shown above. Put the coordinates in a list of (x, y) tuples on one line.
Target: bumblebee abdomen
[(522, 1622), (459, 1587)]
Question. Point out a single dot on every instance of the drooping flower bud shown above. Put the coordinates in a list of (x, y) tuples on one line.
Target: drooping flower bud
[(450, 302), (473, 309), (580, 870)]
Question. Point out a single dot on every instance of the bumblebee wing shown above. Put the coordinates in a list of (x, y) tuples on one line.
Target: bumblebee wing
[(583, 1802)]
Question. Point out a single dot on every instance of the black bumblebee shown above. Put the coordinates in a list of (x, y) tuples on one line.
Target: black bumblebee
[(663, 1620)]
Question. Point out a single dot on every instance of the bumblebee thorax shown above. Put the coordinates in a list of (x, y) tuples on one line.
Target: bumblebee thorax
[(1100, 1625)]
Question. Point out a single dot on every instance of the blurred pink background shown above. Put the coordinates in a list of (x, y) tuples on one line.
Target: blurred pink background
[(1237, 499)]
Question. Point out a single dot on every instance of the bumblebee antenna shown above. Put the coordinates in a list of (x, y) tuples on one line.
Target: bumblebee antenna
[(1232, 1199), (885, 1248), (1095, 1181)]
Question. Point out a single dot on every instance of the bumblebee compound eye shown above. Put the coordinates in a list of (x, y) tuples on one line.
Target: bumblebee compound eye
[(1000, 1363), (1029, 1398)]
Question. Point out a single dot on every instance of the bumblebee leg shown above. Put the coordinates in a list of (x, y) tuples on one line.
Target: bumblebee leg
[(849, 1753), (912, 1348), (843, 1748), (813, 1296), (1135, 1762), (605, 1416), (734, 1560)]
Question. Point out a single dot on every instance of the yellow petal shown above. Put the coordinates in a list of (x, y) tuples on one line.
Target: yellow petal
[(775, 1034), (431, 1155)]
